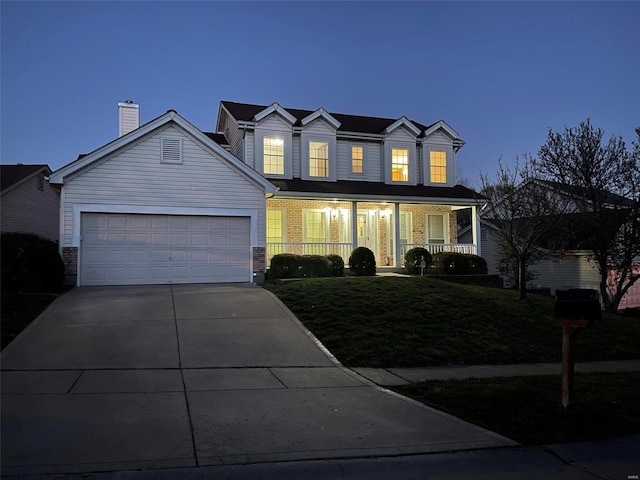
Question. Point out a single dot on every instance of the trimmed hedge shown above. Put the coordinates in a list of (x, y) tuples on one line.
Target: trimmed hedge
[(289, 265), (30, 263), (362, 261), (412, 260), (337, 265), (451, 263)]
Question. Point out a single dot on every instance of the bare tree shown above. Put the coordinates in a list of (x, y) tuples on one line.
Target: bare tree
[(523, 213), (602, 182)]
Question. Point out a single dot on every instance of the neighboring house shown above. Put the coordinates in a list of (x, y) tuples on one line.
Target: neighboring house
[(28, 203), (573, 267), (168, 203)]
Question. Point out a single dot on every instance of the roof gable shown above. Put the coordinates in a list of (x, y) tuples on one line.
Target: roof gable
[(321, 113), (275, 108), (445, 127), (403, 121), (11, 175), (61, 174)]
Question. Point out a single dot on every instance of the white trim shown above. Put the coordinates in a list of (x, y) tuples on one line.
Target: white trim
[(275, 108), (321, 112), (464, 202), (403, 121), (442, 125)]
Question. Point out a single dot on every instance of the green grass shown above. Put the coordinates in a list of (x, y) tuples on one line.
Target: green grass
[(18, 310), (528, 409), (419, 321)]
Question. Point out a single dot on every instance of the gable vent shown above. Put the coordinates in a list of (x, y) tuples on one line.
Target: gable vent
[(171, 150)]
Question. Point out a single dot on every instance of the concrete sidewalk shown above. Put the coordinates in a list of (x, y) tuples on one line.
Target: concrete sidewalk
[(177, 377), (403, 376)]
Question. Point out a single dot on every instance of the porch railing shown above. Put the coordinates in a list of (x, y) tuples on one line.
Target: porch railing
[(441, 247), (306, 248), (345, 249)]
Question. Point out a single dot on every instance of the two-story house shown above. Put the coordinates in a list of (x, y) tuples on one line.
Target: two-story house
[(346, 180), (168, 203)]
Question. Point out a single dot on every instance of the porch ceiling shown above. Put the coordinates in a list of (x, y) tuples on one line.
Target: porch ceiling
[(358, 190)]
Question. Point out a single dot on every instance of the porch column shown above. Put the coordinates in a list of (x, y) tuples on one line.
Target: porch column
[(396, 220), (354, 226), (475, 229)]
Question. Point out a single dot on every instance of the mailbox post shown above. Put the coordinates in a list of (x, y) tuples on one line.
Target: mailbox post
[(575, 309)]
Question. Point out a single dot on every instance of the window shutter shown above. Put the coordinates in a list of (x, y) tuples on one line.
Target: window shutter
[(171, 150)]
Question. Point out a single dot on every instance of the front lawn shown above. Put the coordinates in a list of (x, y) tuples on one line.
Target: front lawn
[(19, 310), (528, 409), (419, 321)]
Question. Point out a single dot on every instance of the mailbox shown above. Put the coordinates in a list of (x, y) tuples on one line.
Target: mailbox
[(578, 304)]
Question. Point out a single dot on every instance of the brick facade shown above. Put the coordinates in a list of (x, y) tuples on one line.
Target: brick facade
[(259, 259), (70, 260)]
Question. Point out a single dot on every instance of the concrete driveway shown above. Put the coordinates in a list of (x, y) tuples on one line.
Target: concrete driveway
[(125, 378)]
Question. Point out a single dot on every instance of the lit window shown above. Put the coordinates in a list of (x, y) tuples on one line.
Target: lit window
[(318, 159), (273, 161), (315, 227), (438, 166), (275, 223), (400, 164), (435, 229), (357, 159)]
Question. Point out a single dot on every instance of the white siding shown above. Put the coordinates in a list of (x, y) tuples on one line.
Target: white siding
[(375, 164), (26, 209), (249, 151), (136, 177), (296, 156), (274, 122), (439, 137), (234, 137)]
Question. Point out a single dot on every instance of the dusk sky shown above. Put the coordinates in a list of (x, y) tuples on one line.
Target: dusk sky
[(501, 73)]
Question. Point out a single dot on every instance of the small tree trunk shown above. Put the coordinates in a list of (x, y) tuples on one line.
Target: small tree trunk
[(523, 278)]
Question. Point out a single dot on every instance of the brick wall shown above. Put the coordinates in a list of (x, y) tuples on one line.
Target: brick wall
[(70, 260)]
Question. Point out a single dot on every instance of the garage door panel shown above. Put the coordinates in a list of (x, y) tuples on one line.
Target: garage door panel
[(121, 249)]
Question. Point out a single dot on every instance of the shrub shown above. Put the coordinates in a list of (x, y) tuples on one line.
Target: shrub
[(412, 260), (285, 265), (362, 261), (30, 263), (315, 266), (451, 263), (337, 265)]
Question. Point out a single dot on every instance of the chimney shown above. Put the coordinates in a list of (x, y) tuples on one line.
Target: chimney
[(128, 116)]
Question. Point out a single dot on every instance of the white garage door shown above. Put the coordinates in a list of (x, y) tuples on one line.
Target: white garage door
[(125, 249)]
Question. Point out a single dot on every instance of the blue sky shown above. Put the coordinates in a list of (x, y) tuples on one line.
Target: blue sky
[(500, 73)]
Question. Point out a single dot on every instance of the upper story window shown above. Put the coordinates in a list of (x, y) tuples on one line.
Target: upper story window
[(438, 162), (357, 159), (273, 161), (400, 164), (318, 159)]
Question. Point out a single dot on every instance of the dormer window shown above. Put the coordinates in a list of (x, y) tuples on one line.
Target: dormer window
[(438, 162), (400, 164), (319, 159), (273, 162), (357, 159)]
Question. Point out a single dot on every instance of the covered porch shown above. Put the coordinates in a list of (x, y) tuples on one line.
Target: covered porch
[(388, 228)]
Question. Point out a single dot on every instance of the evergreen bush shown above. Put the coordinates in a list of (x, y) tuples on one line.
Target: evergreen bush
[(362, 261), (414, 257)]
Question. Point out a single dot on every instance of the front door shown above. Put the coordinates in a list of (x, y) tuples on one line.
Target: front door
[(368, 231)]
